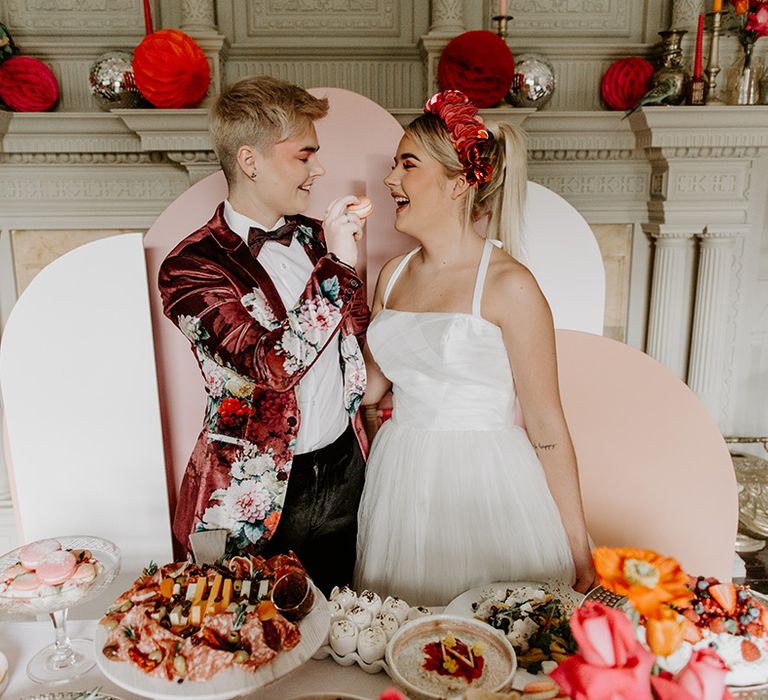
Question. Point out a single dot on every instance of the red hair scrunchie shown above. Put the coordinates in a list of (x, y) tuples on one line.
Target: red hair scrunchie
[(466, 130)]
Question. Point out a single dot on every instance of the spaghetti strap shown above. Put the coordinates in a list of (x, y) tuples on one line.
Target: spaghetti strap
[(395, 275), (482, 270)]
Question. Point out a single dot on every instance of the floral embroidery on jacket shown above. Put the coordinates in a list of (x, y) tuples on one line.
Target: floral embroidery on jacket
[(192, 328), (304, 234), (311, 322), (354, 373), (258, 307), (249, 507)]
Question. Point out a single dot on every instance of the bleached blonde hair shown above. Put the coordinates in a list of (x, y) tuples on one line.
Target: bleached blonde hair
[(259, 111)]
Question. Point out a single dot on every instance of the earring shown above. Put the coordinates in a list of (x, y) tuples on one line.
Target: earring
[(253, 175)]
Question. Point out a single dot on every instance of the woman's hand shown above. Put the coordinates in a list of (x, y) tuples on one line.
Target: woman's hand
[(585, 570)]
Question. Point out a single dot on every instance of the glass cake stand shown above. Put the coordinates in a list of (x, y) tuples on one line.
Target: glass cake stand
[(66, 658)]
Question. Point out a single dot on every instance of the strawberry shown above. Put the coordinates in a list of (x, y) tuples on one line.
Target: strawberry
[(717, 625), (691, 633), (725, 594), (689, 614), (711, 605), (749, 650)]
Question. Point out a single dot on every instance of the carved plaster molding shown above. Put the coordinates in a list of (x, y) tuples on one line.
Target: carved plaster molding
[(447, 17), (580, 154), (393, 83), (545, 18), (587, 184), (198, 15), (685, 13), (94, 17), (83, 158)]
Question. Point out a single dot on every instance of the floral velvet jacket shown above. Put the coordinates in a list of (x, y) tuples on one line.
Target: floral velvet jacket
[(252, 352)]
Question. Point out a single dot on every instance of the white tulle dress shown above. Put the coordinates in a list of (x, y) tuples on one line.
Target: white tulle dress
[(455, 496)]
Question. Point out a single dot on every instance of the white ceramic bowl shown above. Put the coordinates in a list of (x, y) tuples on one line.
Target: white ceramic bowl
[(5, 674), (405, 657)]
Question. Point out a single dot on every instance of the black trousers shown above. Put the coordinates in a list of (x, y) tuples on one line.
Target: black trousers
[(319, 520)]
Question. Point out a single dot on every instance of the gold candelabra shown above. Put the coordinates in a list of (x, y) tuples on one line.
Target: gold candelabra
[(713, 65), (502, 23)]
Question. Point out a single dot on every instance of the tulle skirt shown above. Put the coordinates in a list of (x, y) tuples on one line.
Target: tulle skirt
[(445, 511)]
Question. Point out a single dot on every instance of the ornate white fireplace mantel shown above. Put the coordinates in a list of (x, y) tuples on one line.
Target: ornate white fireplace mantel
[(693, 179)]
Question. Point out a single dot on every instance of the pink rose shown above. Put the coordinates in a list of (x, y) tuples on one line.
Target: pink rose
[(704, 676), (605, 635), (610, 662), (665, 687)]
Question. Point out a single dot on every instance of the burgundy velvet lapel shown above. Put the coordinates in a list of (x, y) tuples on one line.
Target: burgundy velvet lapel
[(238, 252)]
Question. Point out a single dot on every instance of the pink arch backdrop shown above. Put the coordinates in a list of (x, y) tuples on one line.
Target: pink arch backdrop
[(655, 471)]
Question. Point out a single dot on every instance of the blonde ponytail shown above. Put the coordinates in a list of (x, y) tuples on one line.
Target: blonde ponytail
[(502, 198)]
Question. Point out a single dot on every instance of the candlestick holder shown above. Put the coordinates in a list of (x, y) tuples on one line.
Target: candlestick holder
[(502, 22), (713, 65)]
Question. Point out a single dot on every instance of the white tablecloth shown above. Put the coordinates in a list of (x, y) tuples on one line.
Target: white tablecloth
[(19, 641)]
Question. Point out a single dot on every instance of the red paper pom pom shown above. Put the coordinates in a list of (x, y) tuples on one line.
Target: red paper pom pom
[(478, 63), (170, 69), (625, 82), (27, 85)]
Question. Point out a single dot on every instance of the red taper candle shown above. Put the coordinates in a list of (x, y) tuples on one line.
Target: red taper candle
[(147, 17), (697, 72)]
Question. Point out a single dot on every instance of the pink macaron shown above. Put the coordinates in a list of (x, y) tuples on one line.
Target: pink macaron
[(56, 568), (24, 583), (83, 573), (32, 554), (363, 208)]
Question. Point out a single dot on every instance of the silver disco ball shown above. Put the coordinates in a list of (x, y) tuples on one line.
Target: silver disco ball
[(533, 82), (112, 83)]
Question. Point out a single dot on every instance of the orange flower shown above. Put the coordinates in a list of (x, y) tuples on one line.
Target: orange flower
[(665, 634), (270, 522), (646, 578), (741, 6)]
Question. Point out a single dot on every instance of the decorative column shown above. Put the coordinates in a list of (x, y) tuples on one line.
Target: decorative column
[(447, 17), (706, 176), (447, 22), (706, 373), (669, 315), (685, 13), (198, 19), (198, 16)]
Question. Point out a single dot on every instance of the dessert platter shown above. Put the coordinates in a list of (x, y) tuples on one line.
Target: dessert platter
[(50, 576), (533, 617), (733, 620), (212, 631), (362, 625), (54, 574)]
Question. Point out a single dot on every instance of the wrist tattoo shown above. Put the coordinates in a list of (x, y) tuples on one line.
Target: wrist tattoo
[(548, 446)]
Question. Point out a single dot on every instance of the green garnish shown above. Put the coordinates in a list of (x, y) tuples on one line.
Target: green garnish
[(239, 616), (130, 633), (150, 569)]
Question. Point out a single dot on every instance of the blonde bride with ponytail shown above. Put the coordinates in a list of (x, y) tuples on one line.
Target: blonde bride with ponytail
[(457, 493)]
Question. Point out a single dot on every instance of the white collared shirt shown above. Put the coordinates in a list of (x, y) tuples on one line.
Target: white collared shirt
[(321, 390)]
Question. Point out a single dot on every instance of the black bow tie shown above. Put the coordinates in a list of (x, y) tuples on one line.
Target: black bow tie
[(258, 237)]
